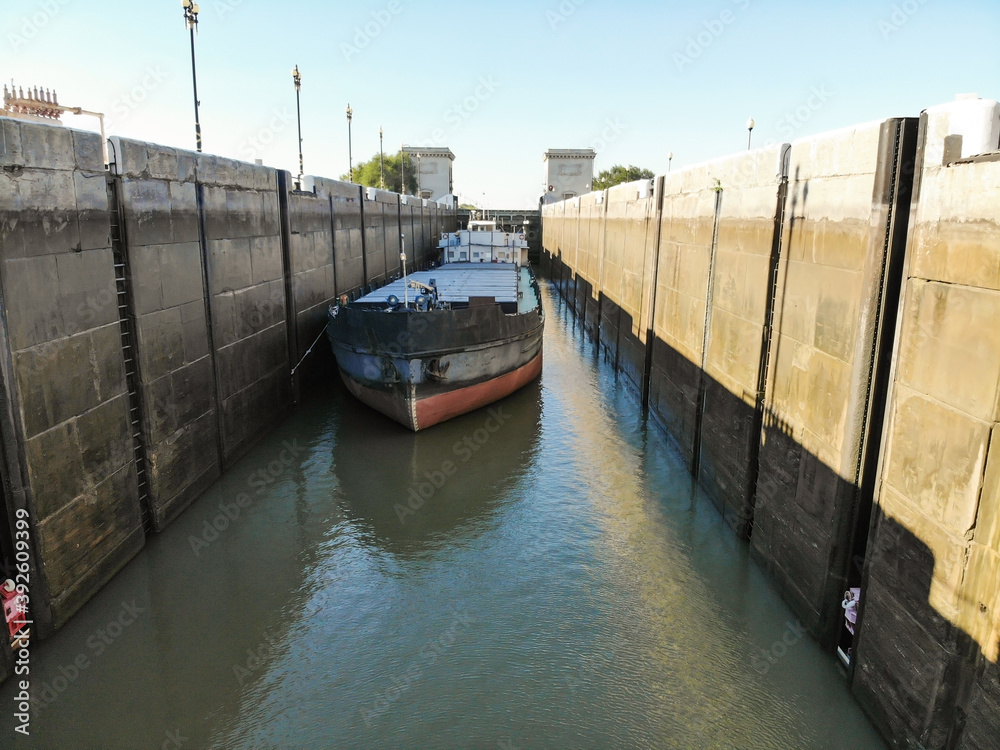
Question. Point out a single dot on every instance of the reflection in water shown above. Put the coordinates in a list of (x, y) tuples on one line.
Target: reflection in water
[(410, 490), (561, 584)]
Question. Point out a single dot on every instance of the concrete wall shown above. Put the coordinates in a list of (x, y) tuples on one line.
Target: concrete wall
[(67, 447), (213, 376), (411, 224), (247, 294), (626, 268), (348, 242), (719, 230), (151, 317), (552, 231), (777, 365), (381, 235), (311, 232), (162, 237), (593, 212), (935, 598), (687, 236), (837, 245)]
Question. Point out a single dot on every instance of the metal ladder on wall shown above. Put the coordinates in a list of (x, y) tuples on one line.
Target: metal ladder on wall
[(126, 326)]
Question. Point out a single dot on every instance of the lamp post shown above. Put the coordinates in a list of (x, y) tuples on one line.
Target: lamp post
[(750, 124), (670, 159), (297, 77), (350, 160), (381, 167), (420, 192), (402, 167), (402, 259), (191, 17)]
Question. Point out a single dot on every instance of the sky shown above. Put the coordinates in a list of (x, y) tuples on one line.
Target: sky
[(499, 83)]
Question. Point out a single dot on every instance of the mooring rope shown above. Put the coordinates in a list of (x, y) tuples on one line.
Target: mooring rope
[(309, 350)]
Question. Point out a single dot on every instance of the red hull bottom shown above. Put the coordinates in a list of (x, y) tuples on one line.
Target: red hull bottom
[(421, 413)]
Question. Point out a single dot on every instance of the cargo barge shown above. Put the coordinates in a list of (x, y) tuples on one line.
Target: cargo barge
[(436, 344)]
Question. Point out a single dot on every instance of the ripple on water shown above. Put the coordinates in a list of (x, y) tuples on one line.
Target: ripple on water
[(567, 586)]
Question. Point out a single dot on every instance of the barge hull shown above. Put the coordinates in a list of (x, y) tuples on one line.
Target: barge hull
[(404, 404), (422, 391)]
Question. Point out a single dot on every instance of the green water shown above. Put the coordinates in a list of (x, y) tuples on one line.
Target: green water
[(560, 584)]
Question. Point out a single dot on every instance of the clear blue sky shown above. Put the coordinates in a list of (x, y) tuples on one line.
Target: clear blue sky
[(499, 83)]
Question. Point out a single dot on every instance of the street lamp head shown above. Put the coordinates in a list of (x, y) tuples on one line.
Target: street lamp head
[(379, 131), (670, 156), (349, 112), (750, 124), (190, 12), (297, 77)]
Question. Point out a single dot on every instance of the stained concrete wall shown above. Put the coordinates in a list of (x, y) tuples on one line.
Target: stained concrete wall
[(776, 294), (189, 348), (246, 290), (381, 235), (569, 238), (593, 210), (687, 235), (719, 229), (837, 245), (162, 237), (348, 240), (202, 227), (66, 406), (935, 598), (311, 265), (411, 224), (429, 235), (626, 270), (644, 258), (552, 230)]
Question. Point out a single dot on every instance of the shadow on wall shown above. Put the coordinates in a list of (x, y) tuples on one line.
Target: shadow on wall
[(918, 676)]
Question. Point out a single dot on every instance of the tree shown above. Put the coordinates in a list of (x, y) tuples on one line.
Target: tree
[(367, 173), (619, 174)]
